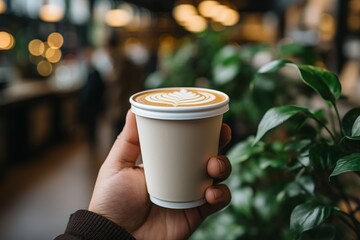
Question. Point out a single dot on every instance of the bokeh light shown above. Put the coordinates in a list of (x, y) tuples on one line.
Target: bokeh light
[(51, 13), (53, 55), (183, 12), (2, 6), (117, 18), (44, 68), (55, 40), (208, 8), (36, 47), (7, 41)]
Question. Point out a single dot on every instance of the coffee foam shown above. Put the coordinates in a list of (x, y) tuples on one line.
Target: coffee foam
[(181, 103), (179, 97)]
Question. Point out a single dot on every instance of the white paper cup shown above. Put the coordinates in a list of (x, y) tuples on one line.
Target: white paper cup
[(177, 141)]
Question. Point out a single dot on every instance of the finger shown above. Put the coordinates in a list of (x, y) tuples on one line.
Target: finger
[(219, 168), (217, 197), (225, 135), (126, 148)]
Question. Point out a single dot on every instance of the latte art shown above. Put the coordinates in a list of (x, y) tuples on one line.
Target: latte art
[(182, 97), (179, 103), (179, 98)]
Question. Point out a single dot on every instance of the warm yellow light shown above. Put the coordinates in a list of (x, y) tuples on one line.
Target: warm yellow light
[(183, 12), (208, 8), (7, 41), (226, 16), (117, 18), (2, 6), (44, 68), (51, 13), (46, 47), (53, 55), (327, 27), (55, 40), (36, 47), (196, 24)]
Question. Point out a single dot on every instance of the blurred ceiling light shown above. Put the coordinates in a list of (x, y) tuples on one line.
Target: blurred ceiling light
[(55, 40), (44, 68), (2, 6), (51, 13), (7, 41), (196, 20), (36, 47), (117, 18), (208, 8), (226, 15), (183, 12), (196, 24)]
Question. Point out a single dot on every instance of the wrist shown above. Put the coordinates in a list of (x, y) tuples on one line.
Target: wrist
[(91, 225)]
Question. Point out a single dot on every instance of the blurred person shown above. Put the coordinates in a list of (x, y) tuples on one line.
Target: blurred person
[(91, 97), (129, 79), (120, 207)]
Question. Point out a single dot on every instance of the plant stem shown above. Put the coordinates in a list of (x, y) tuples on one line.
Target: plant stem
[(338, 117), (326, 128), (331, 117)]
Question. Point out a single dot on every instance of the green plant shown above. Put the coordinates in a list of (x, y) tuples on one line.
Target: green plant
[(306, 168), (211, 60)]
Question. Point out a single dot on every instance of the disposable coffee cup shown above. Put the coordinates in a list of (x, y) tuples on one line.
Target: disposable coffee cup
[(179, 130)]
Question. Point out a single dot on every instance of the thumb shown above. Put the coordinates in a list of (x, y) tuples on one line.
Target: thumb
[(126, 148)]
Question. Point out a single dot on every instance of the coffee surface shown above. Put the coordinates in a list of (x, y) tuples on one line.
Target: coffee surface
[(179, 97)]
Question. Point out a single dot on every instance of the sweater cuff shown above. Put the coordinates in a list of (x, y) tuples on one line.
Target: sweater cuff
[(91, 226)]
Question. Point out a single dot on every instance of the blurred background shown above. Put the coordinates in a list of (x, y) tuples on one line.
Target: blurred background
[(67, 69)]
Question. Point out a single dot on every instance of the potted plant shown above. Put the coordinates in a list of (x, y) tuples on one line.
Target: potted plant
[(298, 178)]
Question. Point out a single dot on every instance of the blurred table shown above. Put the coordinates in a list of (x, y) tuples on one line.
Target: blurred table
[(33, 115)]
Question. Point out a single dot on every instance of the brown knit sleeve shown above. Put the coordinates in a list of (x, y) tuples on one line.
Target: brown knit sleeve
[(86, 225)]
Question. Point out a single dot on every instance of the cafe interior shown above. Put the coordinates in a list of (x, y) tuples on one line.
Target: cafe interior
[(68, 68)]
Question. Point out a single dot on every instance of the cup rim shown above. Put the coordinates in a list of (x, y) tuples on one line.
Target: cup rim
[(181, 113)]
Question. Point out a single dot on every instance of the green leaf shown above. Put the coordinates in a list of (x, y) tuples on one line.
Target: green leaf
[(275, 117), (323, 157), (273, 66), (355, 131), (347, 163), (322, 81), (242, 151), (242, 200), (267, 162), (301, 186), (226, 65), (308, 215), (351, 123)]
